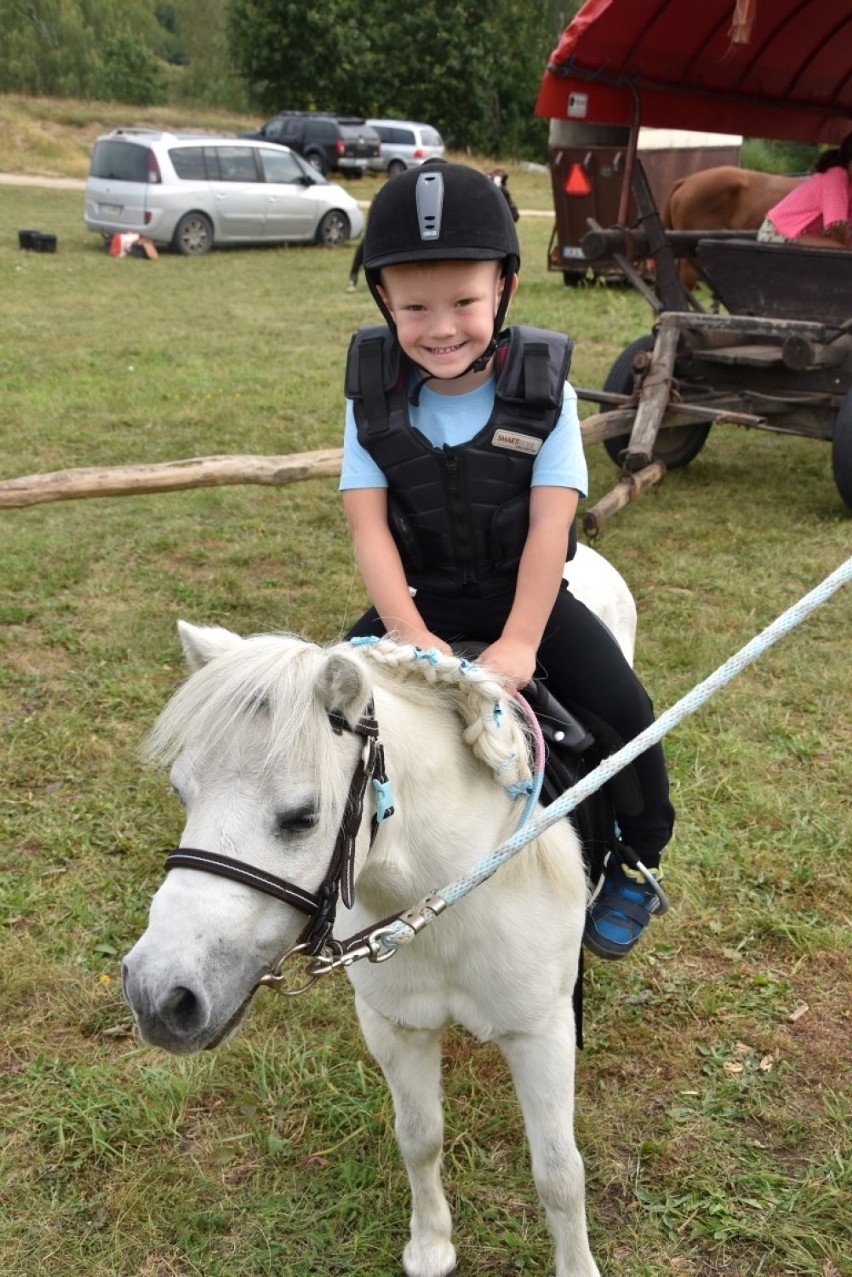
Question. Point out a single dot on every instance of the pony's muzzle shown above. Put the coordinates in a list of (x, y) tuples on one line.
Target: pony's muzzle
[(176, 1019)]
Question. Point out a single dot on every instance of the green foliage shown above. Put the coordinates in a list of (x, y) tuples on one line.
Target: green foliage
[(297, 56), (129, 72), (201, 48), (770, 156), (82, 48), (471, 70)]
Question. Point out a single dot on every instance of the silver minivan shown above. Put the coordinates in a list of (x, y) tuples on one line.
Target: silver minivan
[(405, 144), (192, 191)]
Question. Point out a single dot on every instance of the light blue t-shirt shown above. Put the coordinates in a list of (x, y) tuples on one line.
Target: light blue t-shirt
[(455, 419)]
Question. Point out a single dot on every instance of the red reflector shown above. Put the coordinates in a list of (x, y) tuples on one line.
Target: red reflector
[(576, 183), (340, 146), (419, 153), (147, 218)]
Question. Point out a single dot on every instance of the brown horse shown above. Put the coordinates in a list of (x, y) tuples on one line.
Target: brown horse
[(724, 198)]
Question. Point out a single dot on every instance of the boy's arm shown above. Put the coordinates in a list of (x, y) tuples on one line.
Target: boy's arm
[(378, 559), (540, 571)]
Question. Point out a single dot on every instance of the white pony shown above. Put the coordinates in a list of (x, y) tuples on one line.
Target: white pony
[(269, 738)]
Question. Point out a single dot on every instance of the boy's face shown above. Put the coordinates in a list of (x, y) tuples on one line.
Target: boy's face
[(444, 315)]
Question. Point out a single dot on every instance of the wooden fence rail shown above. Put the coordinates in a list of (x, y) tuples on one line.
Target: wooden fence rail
[(213, 472)]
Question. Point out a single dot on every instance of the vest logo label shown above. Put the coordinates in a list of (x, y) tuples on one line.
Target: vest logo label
[(516, 442)]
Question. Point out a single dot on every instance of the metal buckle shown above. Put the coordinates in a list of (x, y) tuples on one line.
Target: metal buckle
[(326, 961), (417, 917), (274, 979)]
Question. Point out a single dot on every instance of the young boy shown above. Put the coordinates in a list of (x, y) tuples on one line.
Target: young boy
[(462, 469)]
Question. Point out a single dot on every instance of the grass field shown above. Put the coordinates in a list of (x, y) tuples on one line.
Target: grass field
[(713, 1092)]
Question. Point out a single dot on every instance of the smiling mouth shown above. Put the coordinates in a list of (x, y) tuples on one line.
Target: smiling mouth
[(444, 350)]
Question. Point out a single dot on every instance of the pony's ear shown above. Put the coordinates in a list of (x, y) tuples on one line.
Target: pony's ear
[(201, 643), (342, 685)]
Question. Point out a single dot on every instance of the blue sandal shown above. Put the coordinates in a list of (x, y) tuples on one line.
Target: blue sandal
[(622, 909)]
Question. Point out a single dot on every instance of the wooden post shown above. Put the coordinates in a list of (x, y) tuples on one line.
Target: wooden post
[(626, 490), (169, 476), (608, 425), (654, 394)]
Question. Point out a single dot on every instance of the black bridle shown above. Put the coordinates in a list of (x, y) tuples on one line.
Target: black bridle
[(339, 881)]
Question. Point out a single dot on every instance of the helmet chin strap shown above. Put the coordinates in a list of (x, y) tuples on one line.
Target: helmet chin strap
[(479, 365)]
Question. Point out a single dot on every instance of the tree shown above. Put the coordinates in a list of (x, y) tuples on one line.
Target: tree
[(470, 69), (64, 48), (296, 57), (129, 72)]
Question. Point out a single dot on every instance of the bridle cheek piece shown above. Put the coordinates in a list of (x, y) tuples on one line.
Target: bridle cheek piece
[(339, 881)]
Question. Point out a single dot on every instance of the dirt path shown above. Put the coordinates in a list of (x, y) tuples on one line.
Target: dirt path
[(30, 179)]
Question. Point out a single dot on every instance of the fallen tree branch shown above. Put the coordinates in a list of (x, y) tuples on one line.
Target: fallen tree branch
[(169, 476), (215, 472)]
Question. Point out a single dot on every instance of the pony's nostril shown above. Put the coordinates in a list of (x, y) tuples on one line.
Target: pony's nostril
[(183, 1010)]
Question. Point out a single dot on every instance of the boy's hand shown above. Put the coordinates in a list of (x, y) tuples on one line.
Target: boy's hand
[(422, 638), (513, 660)]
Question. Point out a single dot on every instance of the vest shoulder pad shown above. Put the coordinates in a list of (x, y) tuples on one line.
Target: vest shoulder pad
[(372, 361), (534, 367)]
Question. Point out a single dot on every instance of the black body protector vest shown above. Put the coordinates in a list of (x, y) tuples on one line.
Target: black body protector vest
[(460, 515)]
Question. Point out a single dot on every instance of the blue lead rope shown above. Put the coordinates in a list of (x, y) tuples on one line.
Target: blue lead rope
[(399, 933)]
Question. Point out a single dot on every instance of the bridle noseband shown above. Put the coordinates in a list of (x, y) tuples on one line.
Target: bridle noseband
[(339, 881)]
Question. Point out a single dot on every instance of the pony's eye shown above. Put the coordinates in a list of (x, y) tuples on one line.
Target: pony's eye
[(178, 795), (295, 822)]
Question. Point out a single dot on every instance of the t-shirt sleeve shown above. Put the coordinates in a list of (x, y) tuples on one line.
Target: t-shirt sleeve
[(835, 199), (561, 462), (359, 470)]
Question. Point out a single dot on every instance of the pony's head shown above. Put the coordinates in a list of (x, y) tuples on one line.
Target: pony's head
[(264, 779), (260, 763)]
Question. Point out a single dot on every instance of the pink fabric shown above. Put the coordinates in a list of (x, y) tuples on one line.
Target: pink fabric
[(821, 201)]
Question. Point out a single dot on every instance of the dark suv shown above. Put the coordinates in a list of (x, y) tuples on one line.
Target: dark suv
[(327, 141)]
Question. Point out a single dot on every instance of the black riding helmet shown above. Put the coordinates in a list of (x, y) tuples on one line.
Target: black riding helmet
[(441, 212)]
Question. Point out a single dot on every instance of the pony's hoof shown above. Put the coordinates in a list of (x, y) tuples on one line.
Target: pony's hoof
[(435, 1260)]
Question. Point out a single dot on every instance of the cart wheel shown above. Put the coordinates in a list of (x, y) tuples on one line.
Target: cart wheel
[(841, 450), (676, 447)]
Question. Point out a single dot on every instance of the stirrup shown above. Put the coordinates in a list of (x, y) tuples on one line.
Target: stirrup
[(628, 855)]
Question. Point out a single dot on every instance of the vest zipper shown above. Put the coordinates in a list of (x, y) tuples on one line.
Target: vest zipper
[(459, 528)]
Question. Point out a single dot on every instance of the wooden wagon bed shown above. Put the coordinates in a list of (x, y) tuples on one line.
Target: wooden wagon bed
[(775, 352)]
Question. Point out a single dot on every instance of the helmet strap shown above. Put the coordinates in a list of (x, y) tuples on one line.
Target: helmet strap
[(479, 365)]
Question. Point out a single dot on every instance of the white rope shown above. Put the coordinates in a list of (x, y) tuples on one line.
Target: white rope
[(400, 933)]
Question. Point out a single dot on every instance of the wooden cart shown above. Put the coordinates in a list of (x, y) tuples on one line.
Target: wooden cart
[(778, 356)]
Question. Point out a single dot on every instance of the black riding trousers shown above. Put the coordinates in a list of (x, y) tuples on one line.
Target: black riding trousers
[(582, 665)]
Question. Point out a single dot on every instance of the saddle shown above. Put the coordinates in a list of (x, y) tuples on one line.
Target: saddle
[(576, 741)]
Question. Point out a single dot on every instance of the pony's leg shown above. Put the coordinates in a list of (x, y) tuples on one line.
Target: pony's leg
[(542, 1065), (411, 1062)]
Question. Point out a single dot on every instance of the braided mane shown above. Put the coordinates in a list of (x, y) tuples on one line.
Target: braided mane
[(494, 725), (276, 674)]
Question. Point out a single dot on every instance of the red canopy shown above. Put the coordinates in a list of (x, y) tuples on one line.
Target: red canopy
[(765, 68)]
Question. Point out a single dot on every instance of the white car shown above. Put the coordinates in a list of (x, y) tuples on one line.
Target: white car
[(405, 144), (192, 191)]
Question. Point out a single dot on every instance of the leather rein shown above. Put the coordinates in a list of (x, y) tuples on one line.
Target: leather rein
[(339, 882)]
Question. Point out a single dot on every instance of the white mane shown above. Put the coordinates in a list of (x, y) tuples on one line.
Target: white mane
[(276, 674)]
